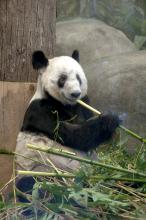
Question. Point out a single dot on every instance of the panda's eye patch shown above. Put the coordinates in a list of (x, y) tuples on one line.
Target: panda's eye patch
[(79, 79), (61, 81)]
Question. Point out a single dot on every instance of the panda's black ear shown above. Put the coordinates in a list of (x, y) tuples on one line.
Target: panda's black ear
[(39, 60), (76, 56)]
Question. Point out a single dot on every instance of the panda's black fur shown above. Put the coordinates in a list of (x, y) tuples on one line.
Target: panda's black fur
[(80, 132), (39, 60), (77, 129)]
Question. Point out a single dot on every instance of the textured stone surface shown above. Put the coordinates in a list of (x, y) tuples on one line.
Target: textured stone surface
[(67, 8), (86, 8), (126, 15), (118, 83), (122, 14), (141, 4), (94, 39)]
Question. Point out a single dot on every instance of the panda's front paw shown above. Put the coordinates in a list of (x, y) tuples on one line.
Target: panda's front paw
[(108, 124)]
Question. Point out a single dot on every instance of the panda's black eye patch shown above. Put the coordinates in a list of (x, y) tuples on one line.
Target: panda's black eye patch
[(61, 81), (79, 79)]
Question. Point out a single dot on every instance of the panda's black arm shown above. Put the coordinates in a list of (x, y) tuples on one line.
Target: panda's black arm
[(85, 136), (91, 133), (39, 119)]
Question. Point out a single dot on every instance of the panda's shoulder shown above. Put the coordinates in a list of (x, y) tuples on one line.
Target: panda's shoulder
[(42, 106), (38, 103), (43, 102), (38, 107)]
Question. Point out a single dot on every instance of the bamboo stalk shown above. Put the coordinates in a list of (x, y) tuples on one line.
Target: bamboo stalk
[(35, 173), (56, 169), (66, 175), (84, 160), (143, 140), (89, 107), (6, 152), (14, 182), (121, 126), (128, 190), (124, 179)]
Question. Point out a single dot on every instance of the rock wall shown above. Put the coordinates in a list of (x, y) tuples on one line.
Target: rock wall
[(126, 15)]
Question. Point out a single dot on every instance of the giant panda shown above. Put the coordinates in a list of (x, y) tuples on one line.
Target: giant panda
[(55, 119)]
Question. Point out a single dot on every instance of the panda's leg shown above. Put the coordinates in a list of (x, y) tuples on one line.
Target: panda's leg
[(25, 187)]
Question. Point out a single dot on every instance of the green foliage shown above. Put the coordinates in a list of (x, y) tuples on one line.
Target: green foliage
[(139, 41), (95, 193), (2, 205)]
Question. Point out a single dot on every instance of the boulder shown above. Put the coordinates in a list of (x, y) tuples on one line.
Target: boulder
[(118, 83), (94, 39)]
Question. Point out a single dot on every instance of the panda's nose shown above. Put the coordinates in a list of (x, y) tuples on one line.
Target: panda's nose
[(75, 94)]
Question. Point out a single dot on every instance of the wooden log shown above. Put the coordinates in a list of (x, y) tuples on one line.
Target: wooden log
[(14, 99)]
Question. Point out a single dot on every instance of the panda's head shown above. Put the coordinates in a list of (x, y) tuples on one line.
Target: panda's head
[(61, 77)]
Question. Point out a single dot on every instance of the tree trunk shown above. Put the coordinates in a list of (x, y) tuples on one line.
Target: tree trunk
[(25, 26)]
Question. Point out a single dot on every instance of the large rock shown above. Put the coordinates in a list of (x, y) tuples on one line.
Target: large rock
[(67, 9), (126, 15), (94, 39), (118, 83), (122, 14)]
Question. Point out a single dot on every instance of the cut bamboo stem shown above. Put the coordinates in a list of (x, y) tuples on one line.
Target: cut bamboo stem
[(89, 107), (84, 160), (65, 175), (124, 179), (35, 173), (121, 126)]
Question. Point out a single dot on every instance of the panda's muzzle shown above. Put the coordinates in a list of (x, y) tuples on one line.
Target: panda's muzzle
[(75, 94), (72, 98)]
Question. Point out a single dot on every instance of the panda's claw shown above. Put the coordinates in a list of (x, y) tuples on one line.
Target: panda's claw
[(108, 124)]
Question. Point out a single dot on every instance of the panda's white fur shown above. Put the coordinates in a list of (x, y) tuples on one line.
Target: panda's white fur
[(48, 80), (61, 163)]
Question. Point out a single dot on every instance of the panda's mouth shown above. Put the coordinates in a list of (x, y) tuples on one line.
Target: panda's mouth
[(69, 100)]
